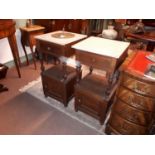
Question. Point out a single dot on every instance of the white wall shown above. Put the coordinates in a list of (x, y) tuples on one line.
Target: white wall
[(5, 51), (20, 22)]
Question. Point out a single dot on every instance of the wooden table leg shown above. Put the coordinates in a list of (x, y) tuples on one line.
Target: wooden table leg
[(33, 54), (14, 49), (23, 45), (42, 62)]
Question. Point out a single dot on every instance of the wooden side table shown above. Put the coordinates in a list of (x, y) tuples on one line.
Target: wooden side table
[(57, 43), (7, 29), (94, 93), (27, 38)]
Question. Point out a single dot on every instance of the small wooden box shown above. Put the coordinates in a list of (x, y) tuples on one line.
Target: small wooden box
[(55, 86), (92, 98)]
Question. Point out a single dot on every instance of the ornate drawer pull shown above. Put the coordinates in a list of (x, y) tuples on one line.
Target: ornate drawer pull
[(136, 88), (140, 103)]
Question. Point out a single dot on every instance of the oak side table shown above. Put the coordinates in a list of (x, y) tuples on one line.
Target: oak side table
[(27, 39)]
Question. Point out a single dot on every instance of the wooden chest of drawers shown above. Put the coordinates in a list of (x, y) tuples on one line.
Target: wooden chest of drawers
[(134, 106)]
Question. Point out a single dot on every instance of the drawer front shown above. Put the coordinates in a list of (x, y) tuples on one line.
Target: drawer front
[(96, 61), (52, 86), (84, 100), (125, 127), (140, 87), (131, 114), (53, 49), (110, 131), (136, 100)]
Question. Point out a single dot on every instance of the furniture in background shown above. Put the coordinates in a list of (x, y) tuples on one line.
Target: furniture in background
[(27, 39), (94, 93), (58, 81), (71, 25), (147, 36), (147, 22), (95, 26), (3, 71), (91, 96), (134, 104), (57, 44), (7, 29)]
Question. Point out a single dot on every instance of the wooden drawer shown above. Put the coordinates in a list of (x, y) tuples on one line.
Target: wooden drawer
[(138, 85), (90, 104), (131, 114), (126, 127), (51, 48), (136, 100), (96, 61), (111, 131), (85, 100), (52, 86)]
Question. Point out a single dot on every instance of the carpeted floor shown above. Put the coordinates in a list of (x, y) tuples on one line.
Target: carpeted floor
[(35, 89), (21, 113), (28, 115)]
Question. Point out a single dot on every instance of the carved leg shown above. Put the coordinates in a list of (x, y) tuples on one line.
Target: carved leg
[(78, 73)]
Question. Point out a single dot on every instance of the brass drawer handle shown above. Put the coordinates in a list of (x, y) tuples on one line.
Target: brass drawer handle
[(136, 88), (140, 102)]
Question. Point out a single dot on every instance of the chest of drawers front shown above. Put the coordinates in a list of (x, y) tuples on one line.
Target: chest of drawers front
[(134, 106)]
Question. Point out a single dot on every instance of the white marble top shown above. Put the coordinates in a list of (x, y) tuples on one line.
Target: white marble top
[(101, 46), (62, 41)]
